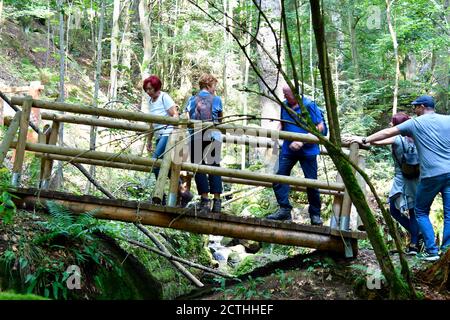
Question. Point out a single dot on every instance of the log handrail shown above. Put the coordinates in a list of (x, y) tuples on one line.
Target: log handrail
[(136, 160)]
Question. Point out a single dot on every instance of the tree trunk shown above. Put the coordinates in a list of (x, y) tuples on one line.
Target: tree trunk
[(272, 43), (225, 51), (145, 22), (311, 63), (125, 48), (352, 22), (1, 13), (397, 59), (396, 284), (48, 21), (58, 181), (442, 69), (98, 71), (114, 45)]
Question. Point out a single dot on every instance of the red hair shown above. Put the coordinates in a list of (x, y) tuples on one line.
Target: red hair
[(399, 118), (154, 81)]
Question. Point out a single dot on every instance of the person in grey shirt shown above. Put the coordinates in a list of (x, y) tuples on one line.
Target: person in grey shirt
[(431, 134), (402, 196)]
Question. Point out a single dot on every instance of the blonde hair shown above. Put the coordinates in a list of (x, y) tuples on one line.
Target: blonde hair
[(206, 80)]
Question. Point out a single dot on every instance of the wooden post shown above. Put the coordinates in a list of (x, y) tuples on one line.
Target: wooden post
[(344, 221), (20, 149), (43, 137), (337, 207), (9, 136), (48, 164), (175, 169), (355, 218), (158, 194)]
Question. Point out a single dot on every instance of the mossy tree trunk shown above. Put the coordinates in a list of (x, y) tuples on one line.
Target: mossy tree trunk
[(398, 287)]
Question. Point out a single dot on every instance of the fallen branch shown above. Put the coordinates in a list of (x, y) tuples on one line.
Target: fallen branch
[(172, 257), (176, 264)]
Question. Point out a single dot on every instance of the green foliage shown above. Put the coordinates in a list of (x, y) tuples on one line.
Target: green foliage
[(284, 281), (9, 295), (7, 206)]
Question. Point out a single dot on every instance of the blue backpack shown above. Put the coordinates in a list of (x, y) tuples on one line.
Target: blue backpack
[(202, 108)]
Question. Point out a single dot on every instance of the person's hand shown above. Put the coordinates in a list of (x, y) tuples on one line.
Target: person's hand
[(296, 145), (356, 139)]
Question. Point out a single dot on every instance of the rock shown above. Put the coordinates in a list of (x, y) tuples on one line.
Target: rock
[(222, 254), (226, 241), (250, 245), (238, 248)]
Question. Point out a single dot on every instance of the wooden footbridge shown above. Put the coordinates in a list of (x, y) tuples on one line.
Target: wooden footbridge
[(341, 236)]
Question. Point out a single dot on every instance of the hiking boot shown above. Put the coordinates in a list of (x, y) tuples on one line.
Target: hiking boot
[(203, 205), (185, 198), (428, 256), (281, 214), (412, 250), (316, 221), (217, 205)]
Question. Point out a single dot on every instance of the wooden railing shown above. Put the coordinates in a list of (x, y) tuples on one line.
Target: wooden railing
[(172, 162)]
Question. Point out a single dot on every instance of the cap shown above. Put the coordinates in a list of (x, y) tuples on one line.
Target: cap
[(427, 101)]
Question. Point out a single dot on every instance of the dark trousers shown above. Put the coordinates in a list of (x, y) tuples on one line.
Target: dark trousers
[(410, 224), (309, 167), (206, 153)]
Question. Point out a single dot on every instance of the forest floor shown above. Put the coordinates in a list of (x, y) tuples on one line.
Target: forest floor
[(319, 276)]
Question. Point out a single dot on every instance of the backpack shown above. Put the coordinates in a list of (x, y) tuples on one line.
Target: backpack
[(409, 163), (203, 106)]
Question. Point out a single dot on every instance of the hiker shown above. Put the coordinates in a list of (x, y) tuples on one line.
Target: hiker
[(431, 134), (402, 195), (296, 151), (159, 103), (206, 144)]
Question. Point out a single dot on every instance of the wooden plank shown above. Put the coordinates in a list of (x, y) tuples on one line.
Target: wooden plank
[(22, 140), (9, 136)]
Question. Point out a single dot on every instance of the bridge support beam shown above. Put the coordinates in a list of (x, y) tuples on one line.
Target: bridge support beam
[(321, 238)]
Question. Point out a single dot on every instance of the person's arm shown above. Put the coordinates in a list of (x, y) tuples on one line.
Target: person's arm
[(320, 126), (384, 142), (173, 111), (378, 136)]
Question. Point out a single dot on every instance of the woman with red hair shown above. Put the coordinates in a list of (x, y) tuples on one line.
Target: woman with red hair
[(159, 103), (402, 196)]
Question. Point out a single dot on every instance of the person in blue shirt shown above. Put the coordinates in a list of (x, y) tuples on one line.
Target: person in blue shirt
[(296, 151), (206, 144), (431, 134)]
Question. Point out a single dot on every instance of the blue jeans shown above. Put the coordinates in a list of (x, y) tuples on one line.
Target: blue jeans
[(161, 143), (410, 224), (427, 190), (309, 167), (206, 153)]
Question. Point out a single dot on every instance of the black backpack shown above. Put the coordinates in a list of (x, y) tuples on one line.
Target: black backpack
[(409, 163), (202, 109)]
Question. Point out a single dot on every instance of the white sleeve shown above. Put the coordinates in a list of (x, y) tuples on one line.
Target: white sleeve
[(167, 101)]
